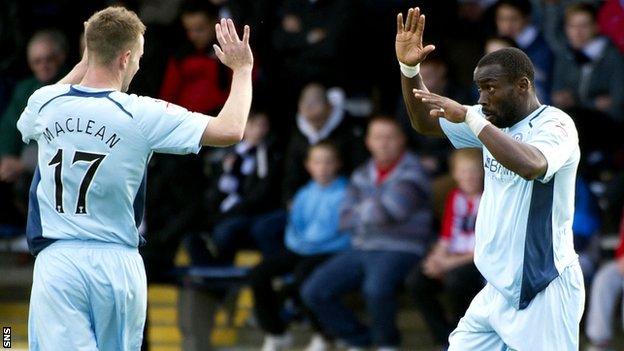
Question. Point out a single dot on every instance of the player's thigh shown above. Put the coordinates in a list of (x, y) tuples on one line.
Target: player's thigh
[(118, 299), (59, 315), (474, 332), (551, 321)]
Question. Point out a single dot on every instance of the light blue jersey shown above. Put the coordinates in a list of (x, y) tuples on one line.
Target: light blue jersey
[(524, 228), (94, 146)]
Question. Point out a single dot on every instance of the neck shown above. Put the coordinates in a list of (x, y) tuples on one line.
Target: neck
[(531, 105), (386, 164), (325, 182), (101, 77), (318, 125), (473, 194)]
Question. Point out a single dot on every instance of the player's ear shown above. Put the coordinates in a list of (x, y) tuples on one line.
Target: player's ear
[(124, 59), (524, 84)]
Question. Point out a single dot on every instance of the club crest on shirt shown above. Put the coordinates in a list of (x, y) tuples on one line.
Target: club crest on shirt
[(517, 136)]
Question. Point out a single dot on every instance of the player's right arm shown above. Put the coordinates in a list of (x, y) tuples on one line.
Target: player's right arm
[(410, 52), (235, 53)]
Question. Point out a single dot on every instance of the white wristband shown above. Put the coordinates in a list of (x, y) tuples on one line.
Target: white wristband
[(475, 122), (409, 71)]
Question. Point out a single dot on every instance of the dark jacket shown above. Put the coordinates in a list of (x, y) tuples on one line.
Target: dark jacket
[(348, 137), (606, 78)]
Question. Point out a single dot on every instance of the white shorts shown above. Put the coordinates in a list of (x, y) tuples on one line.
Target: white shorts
[(549, 323), (87, 295)]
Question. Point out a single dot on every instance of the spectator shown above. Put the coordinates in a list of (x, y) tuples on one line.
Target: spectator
[(611, 22), (590, 73), (605, 293), (513, 20), (317, 119), (193, 78), (46, 53), (47, 50), (242, 191), (585, 227), (387, 208), (312, 236), (449, 266)]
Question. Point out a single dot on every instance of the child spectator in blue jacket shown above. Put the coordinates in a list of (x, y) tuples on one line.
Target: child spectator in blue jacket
[(312, 236)]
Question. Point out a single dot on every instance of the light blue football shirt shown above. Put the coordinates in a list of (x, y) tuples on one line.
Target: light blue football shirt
[(93, 150), (524, 228)]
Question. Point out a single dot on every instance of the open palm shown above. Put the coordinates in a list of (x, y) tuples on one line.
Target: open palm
[(409, 44)]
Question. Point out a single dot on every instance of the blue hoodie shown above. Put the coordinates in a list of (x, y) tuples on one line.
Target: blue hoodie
[(313, 221)]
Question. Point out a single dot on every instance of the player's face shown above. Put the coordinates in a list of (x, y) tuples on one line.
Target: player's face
[(323, 165), (580, 29), (469, 175), (497, 96), (44, 60), (199, 29), (133, 64), (385, 141), (509, 21)]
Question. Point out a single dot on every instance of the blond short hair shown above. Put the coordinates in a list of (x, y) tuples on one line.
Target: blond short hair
[(112, 31)]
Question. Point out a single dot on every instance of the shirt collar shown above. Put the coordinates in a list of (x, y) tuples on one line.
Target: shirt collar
[(594, 48), (336, 116)]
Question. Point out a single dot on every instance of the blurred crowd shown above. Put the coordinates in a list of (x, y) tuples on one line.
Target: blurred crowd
[(329, 183)]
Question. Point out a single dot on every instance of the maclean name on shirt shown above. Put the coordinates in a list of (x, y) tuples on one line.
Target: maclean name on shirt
[(76, 125)]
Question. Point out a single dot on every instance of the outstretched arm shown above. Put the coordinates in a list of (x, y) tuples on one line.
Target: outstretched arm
[(410, 52), (521, 158), (235, 53)]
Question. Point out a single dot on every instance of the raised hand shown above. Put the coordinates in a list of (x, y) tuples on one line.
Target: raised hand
[(408, 43), (232, 51), (443, 106)]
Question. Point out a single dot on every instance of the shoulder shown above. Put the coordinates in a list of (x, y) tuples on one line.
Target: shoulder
[(361, 173), (46, 94), (305, 191), (338, 187), (142, 106), (552, 119), (52, 90), (412, 171), (454, 194), (612, 53), (412, 161), (551, 113)]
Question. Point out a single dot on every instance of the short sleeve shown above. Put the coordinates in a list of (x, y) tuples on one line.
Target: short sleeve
[(460, 134), (557, 139), (170, 128), (28, 124)]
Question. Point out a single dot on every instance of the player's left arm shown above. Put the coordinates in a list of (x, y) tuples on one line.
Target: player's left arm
[(521, 158)]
